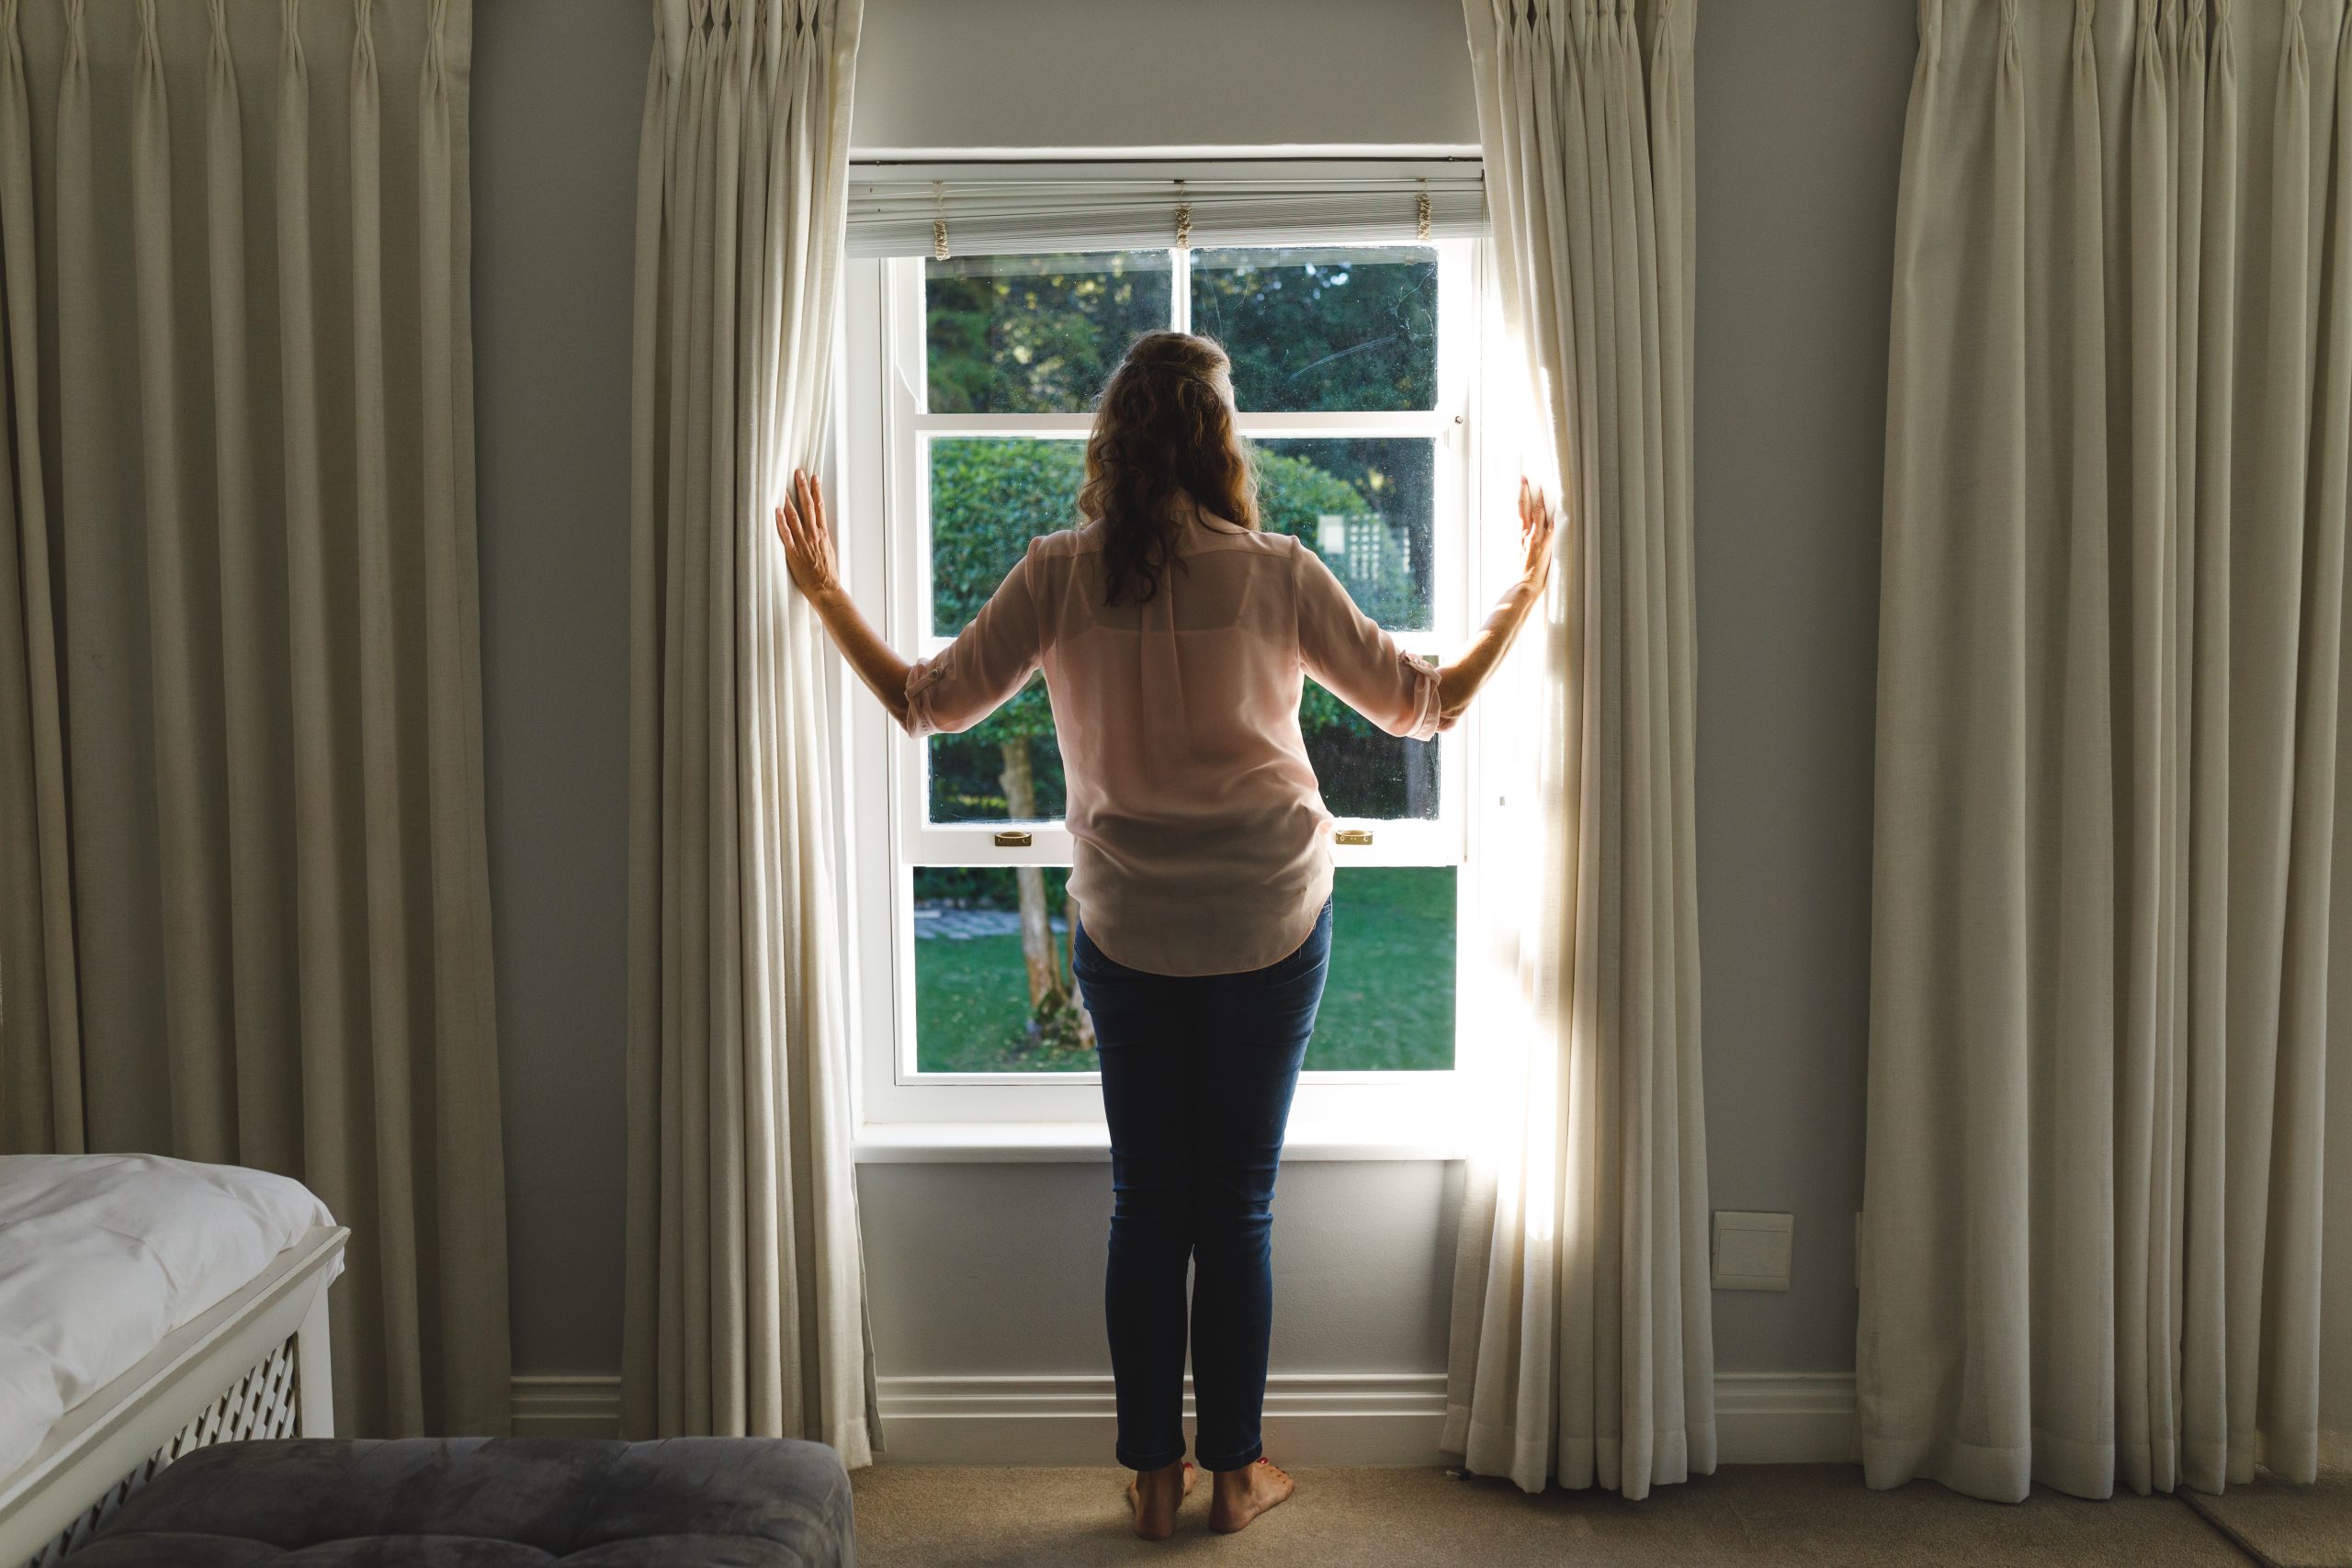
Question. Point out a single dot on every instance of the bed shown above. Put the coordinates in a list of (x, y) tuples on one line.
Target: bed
[(151, 1307)]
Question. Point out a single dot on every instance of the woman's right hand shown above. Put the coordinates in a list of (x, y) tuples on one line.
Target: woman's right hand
[(1459, 678), (807, 537), (1537, 526)]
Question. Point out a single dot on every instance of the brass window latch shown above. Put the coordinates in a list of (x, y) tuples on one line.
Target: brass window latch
[(1013, 839), (1353, 836)]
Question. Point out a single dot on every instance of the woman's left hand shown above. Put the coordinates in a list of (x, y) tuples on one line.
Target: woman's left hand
[(807, 537)]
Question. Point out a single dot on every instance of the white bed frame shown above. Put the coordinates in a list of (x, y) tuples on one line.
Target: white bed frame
[(255, 1366)]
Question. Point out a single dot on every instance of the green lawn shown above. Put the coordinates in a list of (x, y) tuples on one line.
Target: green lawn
[(1390, 1002)]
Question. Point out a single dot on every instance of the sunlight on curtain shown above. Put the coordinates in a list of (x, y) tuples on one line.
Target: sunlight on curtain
[(1581, 1342)]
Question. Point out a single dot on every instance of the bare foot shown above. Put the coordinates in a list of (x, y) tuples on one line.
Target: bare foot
[(1243, 1495), (1155, 1495)]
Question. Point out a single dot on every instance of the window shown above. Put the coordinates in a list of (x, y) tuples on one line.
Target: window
[(971, 382)]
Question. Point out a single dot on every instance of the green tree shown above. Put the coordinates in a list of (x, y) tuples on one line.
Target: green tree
[(1328, 328), (1336, 328), (1322, 328), (1035, 334)]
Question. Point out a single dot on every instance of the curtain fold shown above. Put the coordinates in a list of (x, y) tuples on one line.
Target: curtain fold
[(746, 1310), (246, 911), (2119, 412), (1581, 1340)]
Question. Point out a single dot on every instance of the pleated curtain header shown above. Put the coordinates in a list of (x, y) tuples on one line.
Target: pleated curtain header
[(969, 208), (768, 24)]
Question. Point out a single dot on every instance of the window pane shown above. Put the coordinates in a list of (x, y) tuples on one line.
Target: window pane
[(1036, 333), (989, 495), (1364, 770), (1368, 506), (1007, 768), (974, 1011), (1388, 1004), (1323, 328)]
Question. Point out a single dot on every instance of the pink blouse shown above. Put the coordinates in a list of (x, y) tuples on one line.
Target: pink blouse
[(1201, 845)]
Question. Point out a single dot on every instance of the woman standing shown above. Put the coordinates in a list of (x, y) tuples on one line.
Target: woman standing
[(1173, 635)]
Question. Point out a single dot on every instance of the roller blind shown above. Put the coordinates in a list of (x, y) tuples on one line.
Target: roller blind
[(994, 209)]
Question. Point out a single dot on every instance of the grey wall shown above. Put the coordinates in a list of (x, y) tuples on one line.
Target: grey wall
[(558, 86), (1799, 107), (1033, 74), (997, 1270)]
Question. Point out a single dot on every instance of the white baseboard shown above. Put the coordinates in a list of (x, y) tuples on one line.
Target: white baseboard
[(1311, 1418), (1784, 1417), (1365, 1418), (567, 1406)]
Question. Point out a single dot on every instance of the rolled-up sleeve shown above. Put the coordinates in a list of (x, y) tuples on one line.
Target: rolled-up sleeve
[(1356, 662), (989, 661)]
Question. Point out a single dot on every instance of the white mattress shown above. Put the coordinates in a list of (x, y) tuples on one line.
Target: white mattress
[(101, 1256)]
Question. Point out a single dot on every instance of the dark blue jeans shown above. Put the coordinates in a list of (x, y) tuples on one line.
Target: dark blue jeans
[(1197, 1075)]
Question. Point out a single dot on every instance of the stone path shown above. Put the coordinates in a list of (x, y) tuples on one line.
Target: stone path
[(963, 925)]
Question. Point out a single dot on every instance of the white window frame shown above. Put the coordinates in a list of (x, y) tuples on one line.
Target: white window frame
[(884, 436)]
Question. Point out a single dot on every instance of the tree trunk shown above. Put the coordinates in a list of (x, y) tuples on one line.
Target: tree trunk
[(1076, 1003), (1037, 955)]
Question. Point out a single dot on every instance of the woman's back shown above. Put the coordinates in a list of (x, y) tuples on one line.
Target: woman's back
[(1201, 839)]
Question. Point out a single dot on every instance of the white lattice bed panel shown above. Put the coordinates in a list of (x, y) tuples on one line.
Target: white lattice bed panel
[(256, 1366)]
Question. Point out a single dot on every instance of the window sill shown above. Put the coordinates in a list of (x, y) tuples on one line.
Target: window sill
[(1078, 1142)]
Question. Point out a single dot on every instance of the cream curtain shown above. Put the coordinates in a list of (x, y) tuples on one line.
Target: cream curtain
[(746, 1305), (2119, 411), (245, 910), (1582, 1347)]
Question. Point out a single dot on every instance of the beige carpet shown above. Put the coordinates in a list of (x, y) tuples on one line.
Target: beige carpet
[(1798, 1515), (2284, 1526)]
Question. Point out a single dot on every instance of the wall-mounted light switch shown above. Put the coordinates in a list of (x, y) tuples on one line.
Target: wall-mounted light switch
[(1753, 1251)]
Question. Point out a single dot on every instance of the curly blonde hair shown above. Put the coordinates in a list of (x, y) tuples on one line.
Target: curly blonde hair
[(1163, 443)]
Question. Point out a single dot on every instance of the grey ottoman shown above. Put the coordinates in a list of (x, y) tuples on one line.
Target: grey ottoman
[(488, 1502)]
